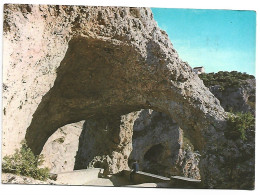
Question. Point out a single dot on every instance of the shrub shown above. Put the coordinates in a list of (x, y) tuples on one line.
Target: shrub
[(225, 79), (238, 124), (24, 162)]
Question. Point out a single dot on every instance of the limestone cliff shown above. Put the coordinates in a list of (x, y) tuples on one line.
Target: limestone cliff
[(65, 64)]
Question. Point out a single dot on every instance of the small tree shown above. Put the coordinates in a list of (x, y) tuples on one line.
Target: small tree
[(24, 162), (238, 124)]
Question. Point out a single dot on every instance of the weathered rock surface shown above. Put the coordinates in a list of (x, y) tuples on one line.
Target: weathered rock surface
[(9, 178), (156, 142), (152, 138), (31, 55), (158, 146), (241, 99), (65, 64), (188, 164), (106, 142), (60, 149)]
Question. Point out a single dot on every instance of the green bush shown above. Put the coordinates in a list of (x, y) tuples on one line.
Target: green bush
[(238, 124), (225, 79), (24, 162)]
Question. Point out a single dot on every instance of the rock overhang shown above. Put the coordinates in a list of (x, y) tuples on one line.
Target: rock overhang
[(117, 61)]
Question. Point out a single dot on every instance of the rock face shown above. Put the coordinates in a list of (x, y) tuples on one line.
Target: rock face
[(156, 142), (188, 164), (60, 149), (240, 154), (159, 148), (240, 99), (152, 138), (65, 64), (106, 143)]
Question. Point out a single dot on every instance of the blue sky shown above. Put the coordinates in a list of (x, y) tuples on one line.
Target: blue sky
[(216, 39)]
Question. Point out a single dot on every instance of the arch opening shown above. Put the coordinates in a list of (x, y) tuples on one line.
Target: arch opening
[(135, 136)]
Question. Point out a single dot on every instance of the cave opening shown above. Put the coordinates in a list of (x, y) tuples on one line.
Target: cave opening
[(154, 154)]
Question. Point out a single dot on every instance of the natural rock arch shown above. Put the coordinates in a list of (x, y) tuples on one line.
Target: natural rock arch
[(117, 61), (102, 78), (99, 78)]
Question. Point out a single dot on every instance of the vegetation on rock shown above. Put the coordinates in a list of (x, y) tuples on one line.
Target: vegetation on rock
[(225, 79), (238, 124), (24, 162)]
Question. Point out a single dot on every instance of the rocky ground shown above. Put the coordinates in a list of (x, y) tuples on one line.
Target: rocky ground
[(9, 178)]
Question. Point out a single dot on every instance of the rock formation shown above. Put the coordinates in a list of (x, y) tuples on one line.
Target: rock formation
[(78, 146), (159, 146), (157, 142), (238, 99), (65, 64), (152, 138), (106, 142), (61, 148)]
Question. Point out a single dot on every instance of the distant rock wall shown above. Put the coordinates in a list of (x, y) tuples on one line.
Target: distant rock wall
[(238, 99)]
